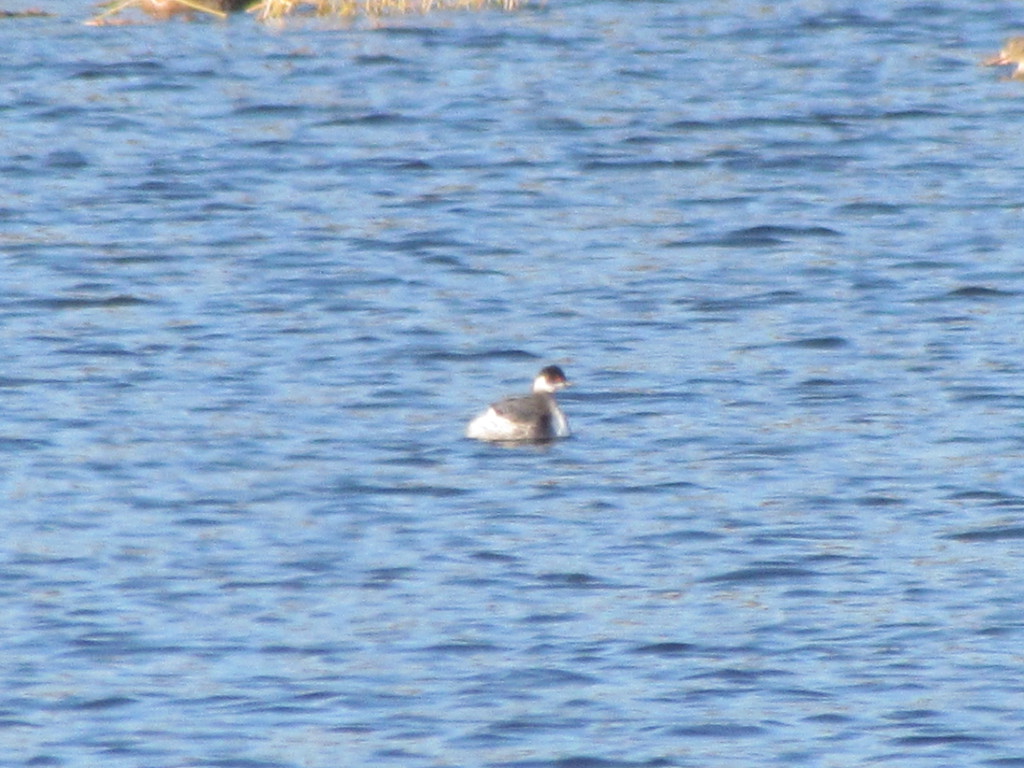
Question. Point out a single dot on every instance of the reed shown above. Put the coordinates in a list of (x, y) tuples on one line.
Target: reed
[(266, 10), (278, 9), (159, 9)]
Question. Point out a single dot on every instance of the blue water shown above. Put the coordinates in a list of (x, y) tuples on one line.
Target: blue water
[(255, 281)]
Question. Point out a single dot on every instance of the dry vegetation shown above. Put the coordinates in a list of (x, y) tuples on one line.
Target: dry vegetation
[(275, 9), (266, 10)]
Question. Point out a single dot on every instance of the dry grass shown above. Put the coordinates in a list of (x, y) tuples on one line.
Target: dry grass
[(277, 9), (158, 9), (266, 10)]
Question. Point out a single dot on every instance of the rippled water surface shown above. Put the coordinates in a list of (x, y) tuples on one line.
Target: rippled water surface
[(255, 281)]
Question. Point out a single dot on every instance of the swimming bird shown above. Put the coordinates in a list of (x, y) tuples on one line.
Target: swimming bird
[(531, 418), (1012, 53)]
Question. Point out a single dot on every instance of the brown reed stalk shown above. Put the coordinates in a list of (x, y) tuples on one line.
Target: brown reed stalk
[(278, 9), (158, 9), (267, 10)]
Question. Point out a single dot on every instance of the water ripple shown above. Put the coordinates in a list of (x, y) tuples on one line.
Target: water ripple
[(253, 293)]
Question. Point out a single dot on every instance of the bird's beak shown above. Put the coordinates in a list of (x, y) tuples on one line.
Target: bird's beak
[(998, 59)]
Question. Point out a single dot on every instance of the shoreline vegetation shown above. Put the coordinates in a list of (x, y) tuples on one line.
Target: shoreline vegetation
[(267, 10)]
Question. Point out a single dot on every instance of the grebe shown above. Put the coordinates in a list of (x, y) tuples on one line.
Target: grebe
[(531, 418)]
